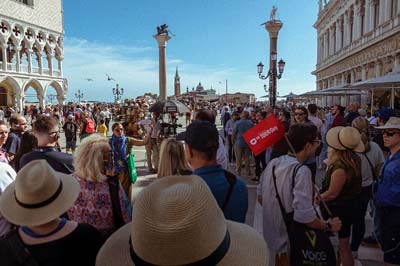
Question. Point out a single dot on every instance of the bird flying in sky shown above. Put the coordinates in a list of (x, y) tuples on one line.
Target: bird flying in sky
[(109, 78)]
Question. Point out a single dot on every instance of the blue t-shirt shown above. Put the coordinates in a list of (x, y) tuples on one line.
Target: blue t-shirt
[(239, 128), (388, 193), (214, 176)]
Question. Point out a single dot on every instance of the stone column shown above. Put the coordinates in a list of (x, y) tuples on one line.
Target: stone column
[(50, 64), (371, 15), (364, 72), (4, 54), (378, 69), (61, 99), (367, 12), (40, 62), (398, 8), (396, 63), (325, 45), (29, 55), (273, 27), (41, 100), (18, 102), (347, 26), (338, 36), (382, 11), (59, 60), (162, 42), (18, 58)]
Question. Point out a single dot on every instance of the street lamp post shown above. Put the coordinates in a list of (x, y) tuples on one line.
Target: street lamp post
[(51, 98), (117, 92), (273, 26), (79, 95)]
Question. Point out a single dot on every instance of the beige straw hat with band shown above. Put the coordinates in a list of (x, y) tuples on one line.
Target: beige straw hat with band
[(176, 221), (38, 195), (345, 138)]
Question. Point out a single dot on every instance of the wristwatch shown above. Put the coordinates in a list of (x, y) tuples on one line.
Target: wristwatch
[(327, 227)]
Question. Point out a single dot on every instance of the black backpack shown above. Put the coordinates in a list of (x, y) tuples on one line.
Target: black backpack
[(16, 250)]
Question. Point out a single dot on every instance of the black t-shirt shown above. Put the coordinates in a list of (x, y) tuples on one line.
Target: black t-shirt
[(13, 141), (60, 161), (70, 129), (79, 248)]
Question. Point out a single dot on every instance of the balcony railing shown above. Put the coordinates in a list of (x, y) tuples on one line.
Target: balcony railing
[(46, 71), (57, 73), (35, 70), (11, 67), (24, 68)]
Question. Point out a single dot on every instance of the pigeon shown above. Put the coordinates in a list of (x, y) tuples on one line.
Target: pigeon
[(109, 78), (89, 79)]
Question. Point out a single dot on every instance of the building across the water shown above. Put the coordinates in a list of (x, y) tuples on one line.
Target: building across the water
[(358, 40), (31, 52)]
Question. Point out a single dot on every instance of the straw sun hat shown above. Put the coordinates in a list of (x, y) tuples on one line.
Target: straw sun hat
[(178, 222), (345, 138), (38, 195), (392, 123)]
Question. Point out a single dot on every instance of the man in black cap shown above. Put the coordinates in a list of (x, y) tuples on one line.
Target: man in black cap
[(201, 139)]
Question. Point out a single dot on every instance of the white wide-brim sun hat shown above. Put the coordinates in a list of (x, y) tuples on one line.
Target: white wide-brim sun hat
[(176, 221), (392, 123), (38, 195), (345, 138)]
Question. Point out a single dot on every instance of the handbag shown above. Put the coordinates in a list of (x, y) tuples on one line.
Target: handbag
[(308, 247), (130, 163)]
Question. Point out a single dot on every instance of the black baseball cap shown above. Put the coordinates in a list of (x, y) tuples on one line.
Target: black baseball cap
[(201, 136)]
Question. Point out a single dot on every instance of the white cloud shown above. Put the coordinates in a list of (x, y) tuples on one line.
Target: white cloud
[(136, 70)]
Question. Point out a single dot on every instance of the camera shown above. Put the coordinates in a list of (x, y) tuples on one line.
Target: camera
[(168, 129)]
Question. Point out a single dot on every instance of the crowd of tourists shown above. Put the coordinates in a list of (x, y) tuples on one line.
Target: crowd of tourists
[(58, 208)]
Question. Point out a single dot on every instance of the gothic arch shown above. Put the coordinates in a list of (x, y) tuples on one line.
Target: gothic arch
[(56, 86), (35, 85)]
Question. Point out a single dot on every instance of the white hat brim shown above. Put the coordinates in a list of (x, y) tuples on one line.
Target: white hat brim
[(247, 248), (389, 127), (19, 215)]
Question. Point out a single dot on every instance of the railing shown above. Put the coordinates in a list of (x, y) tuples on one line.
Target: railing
[(24, 68), (57, 73), (46, 71), (11, 67), (35, 70)]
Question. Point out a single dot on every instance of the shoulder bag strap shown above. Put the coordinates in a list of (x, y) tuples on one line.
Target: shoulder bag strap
[(371, 166), (20, 252), (231, 178), (113, 183)]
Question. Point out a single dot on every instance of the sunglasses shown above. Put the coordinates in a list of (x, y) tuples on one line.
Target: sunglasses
[(390, 133), (298, 114)]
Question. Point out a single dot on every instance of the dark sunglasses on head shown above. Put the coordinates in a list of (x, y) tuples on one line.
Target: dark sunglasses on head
[(390, 133)]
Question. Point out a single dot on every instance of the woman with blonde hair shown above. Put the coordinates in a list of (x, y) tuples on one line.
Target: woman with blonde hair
[(172, 159), (371, 162), (341, 186), (93, 160)]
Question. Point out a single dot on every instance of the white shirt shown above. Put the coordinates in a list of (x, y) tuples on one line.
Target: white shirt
[(316, 121), (7, 175), (376, 157), (300, 199)]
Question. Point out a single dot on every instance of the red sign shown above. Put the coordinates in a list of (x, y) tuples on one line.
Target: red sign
[(264, 134)]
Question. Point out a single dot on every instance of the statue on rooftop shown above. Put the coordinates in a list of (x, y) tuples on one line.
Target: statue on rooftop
[(273, 13)]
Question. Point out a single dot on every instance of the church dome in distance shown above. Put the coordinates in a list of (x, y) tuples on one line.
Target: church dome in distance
[(199, 87)]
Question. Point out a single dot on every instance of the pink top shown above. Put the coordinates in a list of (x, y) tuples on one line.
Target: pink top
[(94, 206)]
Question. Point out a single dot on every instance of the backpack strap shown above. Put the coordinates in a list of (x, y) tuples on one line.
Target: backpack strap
[(231, 178), (113, 184), (18, 249), (371, 166)]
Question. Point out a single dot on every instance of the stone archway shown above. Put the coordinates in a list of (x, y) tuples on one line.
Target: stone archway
[(33, 83), (9, 87), (60, 96)]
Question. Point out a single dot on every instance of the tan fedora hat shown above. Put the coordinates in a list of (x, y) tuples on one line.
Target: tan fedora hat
[(38, 195), (176, 221), (345, 138), (392, 123)]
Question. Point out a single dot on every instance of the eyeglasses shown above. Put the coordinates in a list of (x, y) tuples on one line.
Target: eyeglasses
[(390, 133), (298, 114)]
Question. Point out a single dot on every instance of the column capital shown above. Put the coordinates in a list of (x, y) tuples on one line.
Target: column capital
[(162, 39)]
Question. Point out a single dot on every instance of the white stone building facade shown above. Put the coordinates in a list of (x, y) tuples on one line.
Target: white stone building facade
[(357, 40), (31, 51)]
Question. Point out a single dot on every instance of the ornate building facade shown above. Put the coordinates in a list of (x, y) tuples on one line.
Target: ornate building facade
[(31, 50), (357, 40)]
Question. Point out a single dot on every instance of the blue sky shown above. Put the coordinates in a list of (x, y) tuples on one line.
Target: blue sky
[(215, 40)]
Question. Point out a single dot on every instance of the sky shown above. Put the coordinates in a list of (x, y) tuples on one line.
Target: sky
[(214, 41)]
